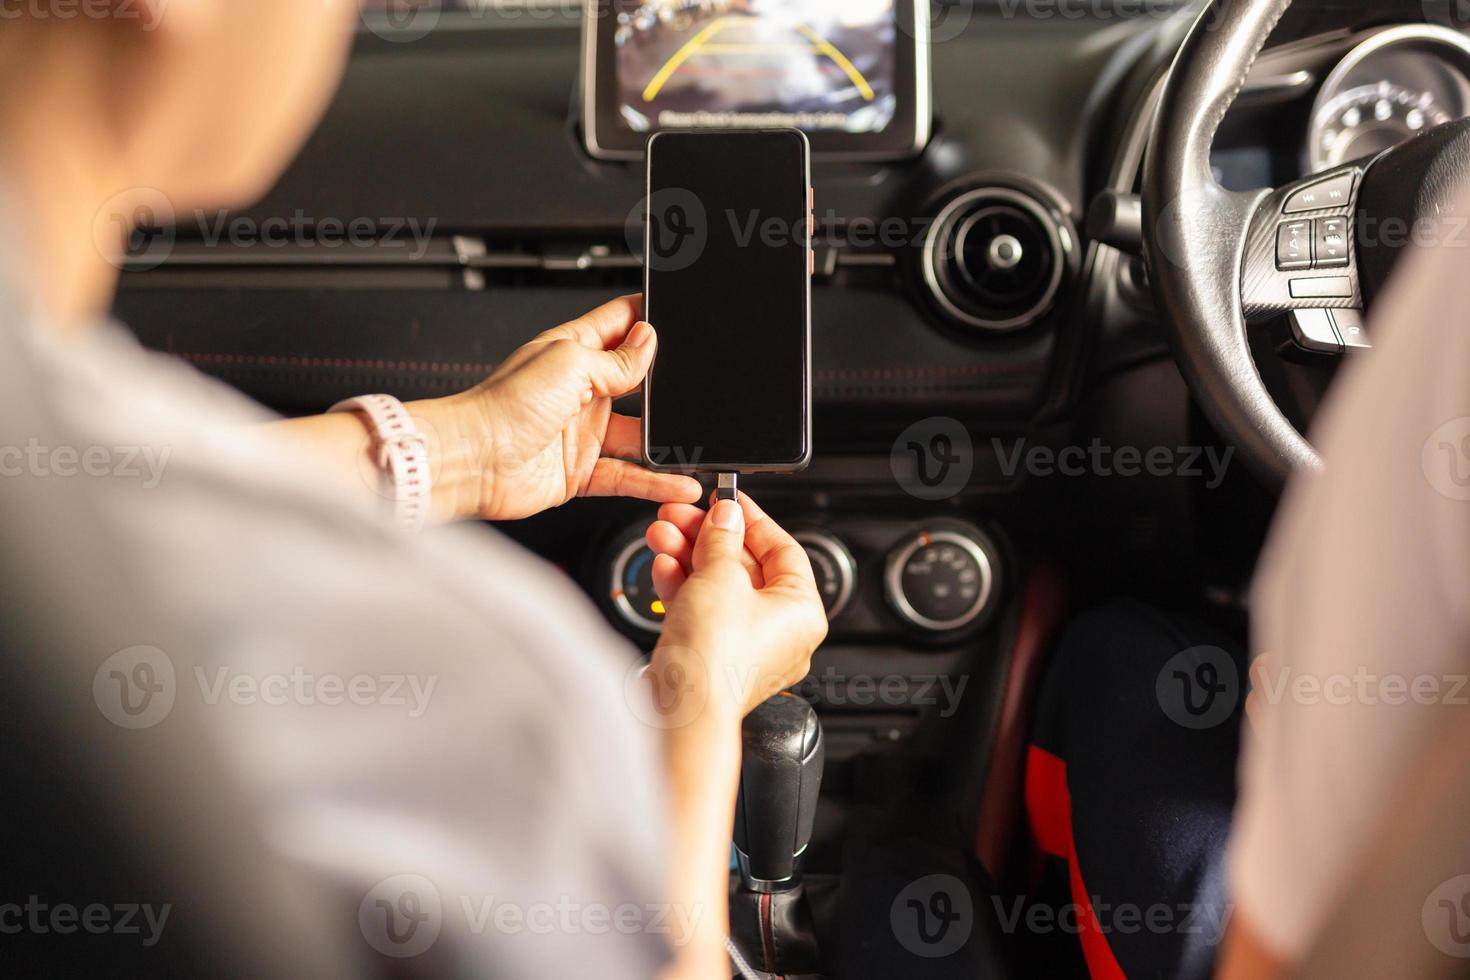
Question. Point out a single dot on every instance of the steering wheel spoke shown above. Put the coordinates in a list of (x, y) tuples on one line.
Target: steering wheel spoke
[(1301, 261)]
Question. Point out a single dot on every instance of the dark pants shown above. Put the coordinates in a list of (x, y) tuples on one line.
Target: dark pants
[(1130, 786)]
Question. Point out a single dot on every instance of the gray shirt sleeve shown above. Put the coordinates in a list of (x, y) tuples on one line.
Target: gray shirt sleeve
[(1361, 607), (435, 732)]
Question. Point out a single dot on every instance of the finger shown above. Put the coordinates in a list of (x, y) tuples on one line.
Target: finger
[(668, 578), (664, 538), (602, 328), (623, 438), (778, 553), (688, 519), (722, 538), (616, 372), (620, 478)]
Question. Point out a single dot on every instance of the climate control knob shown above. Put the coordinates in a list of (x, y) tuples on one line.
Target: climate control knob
[(834, 568), (630, 586), (941, 579)]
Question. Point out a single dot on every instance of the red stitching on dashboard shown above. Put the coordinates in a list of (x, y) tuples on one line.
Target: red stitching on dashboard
[(345, 363), (481, 369), (891, 374)]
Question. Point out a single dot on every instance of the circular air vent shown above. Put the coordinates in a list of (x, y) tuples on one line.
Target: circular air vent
[(995, 259)]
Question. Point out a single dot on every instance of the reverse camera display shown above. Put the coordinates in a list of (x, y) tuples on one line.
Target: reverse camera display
[(815, 65)]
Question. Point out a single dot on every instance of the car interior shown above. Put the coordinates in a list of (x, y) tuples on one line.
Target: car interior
[(1083, 274)]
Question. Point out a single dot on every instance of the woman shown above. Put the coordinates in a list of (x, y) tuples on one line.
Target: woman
[(256, 603)]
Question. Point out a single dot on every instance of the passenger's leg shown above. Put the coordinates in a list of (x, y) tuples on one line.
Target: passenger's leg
[(1131, 782)]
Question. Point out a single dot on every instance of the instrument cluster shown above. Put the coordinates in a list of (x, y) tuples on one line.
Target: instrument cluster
[(1398, 83)]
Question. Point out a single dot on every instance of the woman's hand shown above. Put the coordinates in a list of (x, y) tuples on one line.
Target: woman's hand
[(541, 429), (744, 616), (538, 432), (744, 619)]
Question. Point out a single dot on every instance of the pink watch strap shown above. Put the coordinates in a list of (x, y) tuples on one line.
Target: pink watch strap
[(401, 453)]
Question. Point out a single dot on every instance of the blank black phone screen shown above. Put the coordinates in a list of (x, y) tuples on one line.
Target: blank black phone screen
[(727, 288)]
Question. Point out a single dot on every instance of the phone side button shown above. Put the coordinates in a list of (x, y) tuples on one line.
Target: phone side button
[(811, 263)]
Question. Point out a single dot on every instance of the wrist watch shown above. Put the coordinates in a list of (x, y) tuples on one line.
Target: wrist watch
[(401, 453)]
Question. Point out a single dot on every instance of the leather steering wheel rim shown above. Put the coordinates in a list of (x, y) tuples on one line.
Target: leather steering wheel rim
[(1197, 234)]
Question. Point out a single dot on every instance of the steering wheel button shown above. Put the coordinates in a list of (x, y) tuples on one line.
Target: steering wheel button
[(1334, 192), (1312, 330), (1294, 245), (1350, 329), (1330, 287), (1331, 246)]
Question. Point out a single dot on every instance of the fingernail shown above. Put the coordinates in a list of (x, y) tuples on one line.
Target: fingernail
[(728, 516), (640, 334)]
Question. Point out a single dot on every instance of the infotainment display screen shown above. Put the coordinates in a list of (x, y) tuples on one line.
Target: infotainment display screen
[(852, 74)]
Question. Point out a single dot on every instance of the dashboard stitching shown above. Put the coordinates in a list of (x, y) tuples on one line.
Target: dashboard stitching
[(438, 367), (302, 361)]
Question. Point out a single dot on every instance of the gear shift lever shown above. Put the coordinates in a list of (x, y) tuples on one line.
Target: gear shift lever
[(780, 777)]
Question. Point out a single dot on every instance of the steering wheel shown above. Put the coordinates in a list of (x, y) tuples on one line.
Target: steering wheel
[(1225, 262)]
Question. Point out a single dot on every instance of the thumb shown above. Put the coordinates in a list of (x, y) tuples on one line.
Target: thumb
[(618, 371), (722, 537)]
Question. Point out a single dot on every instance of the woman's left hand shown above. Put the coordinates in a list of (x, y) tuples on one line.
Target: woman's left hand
[(541, 429)]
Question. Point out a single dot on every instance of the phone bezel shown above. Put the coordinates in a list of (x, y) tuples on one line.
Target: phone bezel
[(731, 466)]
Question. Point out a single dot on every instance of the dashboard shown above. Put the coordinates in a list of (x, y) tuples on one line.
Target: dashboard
[(965, 323)]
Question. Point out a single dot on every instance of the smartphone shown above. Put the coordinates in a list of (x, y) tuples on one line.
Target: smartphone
[(727, 285)]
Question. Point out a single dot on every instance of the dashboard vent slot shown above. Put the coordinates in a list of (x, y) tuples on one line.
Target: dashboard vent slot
[(995, 259)]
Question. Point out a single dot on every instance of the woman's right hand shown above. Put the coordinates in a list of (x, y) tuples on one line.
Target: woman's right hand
[(744, 615)]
